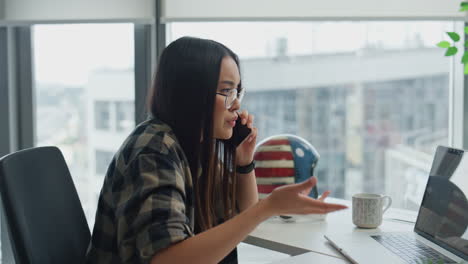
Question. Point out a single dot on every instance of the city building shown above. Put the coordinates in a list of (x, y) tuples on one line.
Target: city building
[(110, 119), (355, 119)]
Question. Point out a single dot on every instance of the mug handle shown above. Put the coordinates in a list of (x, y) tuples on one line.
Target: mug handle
[(389, 202)]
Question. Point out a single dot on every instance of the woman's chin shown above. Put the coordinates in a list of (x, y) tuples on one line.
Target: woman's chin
[(225, 135)]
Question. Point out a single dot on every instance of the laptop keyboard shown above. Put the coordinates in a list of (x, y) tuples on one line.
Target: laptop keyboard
[(410, 249)]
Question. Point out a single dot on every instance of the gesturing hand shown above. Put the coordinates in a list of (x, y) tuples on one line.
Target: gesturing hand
[(294, 199)]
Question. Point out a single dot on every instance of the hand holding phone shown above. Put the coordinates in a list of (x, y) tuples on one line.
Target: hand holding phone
[(240, 132)]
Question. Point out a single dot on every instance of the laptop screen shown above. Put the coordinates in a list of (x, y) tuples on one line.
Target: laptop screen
[(443, 215)]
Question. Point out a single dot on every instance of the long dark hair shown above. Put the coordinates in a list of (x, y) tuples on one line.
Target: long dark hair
[(183, 96)]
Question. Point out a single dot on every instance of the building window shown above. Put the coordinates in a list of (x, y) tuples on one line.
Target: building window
[(365, 94), (102, 115), (125, 119)]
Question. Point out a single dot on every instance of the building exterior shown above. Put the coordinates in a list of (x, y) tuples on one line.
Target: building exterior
[(110, 119), (353, 108)]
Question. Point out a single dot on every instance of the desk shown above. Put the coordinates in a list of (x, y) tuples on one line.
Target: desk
[(305, 235), (311, 257)]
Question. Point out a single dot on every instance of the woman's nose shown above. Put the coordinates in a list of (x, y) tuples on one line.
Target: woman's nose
[(235, 105)]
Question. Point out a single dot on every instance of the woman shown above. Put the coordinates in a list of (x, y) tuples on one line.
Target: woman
[(178, 190)]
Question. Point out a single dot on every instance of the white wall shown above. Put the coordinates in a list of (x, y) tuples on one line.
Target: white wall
[(180, 10), (47, 10)]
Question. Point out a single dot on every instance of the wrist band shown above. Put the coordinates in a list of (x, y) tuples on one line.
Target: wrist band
[(246, 169)]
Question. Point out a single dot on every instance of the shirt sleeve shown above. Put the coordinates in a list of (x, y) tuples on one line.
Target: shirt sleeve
[(151, 213)]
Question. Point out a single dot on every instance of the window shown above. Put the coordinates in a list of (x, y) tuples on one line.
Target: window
[(372, 97), (102, 115), (125, 118), (103, 159), (84, 85)]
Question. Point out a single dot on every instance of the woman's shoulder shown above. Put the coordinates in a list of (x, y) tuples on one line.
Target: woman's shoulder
[(150, 137)]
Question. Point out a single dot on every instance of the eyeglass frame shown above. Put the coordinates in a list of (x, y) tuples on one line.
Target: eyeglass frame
[(239, 96)]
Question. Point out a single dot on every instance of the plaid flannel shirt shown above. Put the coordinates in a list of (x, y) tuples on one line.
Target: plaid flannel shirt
[(146, 202)]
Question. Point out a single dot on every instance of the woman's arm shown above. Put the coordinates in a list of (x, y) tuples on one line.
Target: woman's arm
[(247, 194), (214, 244)]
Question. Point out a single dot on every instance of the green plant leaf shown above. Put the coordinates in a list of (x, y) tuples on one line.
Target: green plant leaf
[(464, 59), (466, 68), (454, 36), (466, 30), (451, 51), (443, 44), (463, 6), (421, 261), (466, 44)]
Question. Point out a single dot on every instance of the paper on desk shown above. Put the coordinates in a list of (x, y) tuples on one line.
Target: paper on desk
[(403, 215), (250, 254), (309, 258), (299, 218)]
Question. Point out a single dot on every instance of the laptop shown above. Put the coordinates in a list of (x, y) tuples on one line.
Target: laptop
[(440, 232)]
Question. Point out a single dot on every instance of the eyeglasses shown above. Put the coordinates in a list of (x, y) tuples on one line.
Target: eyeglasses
[(231, 96)]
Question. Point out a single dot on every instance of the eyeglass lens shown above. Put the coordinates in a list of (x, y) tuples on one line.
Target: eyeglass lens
[(232, 96)]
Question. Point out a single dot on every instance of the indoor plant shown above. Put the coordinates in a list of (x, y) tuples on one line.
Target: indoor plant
[(451, 46)]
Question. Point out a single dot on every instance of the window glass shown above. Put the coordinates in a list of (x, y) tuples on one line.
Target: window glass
[(84, 96), (103, 159), (125, 118), (371, 97), (102, 115)]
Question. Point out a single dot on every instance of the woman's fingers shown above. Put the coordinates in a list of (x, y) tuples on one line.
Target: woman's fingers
[(246, 118), (244, 115), (253, 134), (294, 199), (250, 120), (306, 192), (303, 186), (318, 206), (324, 196), (328, 207), (321, 210)]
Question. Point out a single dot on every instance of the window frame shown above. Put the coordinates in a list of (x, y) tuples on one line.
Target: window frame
[(16, 84)]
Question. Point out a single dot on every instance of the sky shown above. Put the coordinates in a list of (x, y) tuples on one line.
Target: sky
[(257, 39), (67, 54)]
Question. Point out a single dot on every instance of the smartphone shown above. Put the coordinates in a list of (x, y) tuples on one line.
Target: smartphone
[(239, 133)]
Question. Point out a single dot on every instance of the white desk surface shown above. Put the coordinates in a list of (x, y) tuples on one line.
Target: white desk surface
[(308, 234), (311, 257)]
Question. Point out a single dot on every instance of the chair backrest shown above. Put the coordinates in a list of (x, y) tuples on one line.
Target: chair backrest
[(45, 220)]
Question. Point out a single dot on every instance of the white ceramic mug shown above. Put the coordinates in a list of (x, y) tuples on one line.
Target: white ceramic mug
[(368, 209)]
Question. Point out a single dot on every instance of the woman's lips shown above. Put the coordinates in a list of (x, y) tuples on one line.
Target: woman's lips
[(232, 122)]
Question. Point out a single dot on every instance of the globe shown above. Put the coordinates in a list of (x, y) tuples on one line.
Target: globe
[(284, 159)]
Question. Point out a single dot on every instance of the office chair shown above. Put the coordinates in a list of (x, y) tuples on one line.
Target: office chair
[(45, 220)]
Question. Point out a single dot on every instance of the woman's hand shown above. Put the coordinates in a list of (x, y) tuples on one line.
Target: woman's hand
[(294, 199), (245, 151)]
